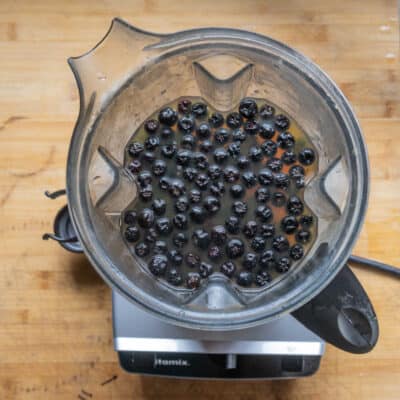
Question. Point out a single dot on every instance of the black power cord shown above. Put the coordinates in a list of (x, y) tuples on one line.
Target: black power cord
[(375, 264)]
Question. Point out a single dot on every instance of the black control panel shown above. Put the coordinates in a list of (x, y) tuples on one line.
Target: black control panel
[(223, 366)]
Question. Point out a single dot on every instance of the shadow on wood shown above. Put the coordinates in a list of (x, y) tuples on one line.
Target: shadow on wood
[(172, 388), (82, 271)]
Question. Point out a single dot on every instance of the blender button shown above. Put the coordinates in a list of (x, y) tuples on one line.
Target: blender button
[(231, 361)]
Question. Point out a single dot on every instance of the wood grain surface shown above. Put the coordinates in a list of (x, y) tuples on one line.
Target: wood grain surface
[(55, 312)]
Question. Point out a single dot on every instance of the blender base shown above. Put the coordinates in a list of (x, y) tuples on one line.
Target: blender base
[(146, 345)]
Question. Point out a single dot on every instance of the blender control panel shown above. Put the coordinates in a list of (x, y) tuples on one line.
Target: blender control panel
[(223, 366)]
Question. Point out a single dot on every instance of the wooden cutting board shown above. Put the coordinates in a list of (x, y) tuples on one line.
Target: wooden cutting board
[(55, 312)]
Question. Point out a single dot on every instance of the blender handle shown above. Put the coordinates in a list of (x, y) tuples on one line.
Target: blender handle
[(342, 315)]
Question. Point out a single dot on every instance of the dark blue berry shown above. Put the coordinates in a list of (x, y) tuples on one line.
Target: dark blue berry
[(262, 278), (234, 248), (249, 178), (146, 192), (182, 204), (228, 268), (146, 218), (160, 247), (249, 261), (135, 148), (267, 230), (248, 108), (274, 164), (214, 171), (238, 135), (251, 127), (180, 240), (234, 149), (180, 221), (262, 195), (158, 265), (219, 235), (135, 166), (202, 181), (306, 220), (206, 146), (234, 120), (237, 191), (243, 162), (183, 157), (204, 131), (303, 236), (198, 214), (265, 177), (297, 171), (199, 109), (281, 180), (232, 224), (142, 249), (264, 213), (192, 260), (285, 140), (280, 243), (130, 217), (250, 229), (201, 238), (151, 236), (159, 167), (266, 130), (205, 270), (190, 173), (175, 257), (239, 208), (217, 189), (294, 206), (174, 277), (195, 196), (245, 278), (255, 153), (282, 122), (221, 136), (267, 259), (163, 226), (168, 150), (216, 120), (188, 142), (144, 178), (184, 106), (151, 126), (289, 157), (159, 206), (296, 252), (220, 155), (186, 124), (307, 156), (289, 224), (258, 244), (166, 132), (132, 234), (149, 157), (283, 265), (193, 280), (269, 148), (231, 174), (267, 111), (214, 252), (168, 116), (211, 204), (176, 188)]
